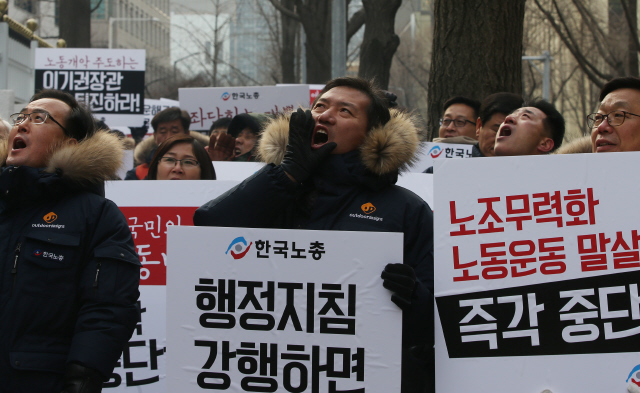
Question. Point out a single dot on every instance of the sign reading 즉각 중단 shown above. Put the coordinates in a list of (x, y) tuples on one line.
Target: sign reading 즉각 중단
[(537, 274), (281, 310)]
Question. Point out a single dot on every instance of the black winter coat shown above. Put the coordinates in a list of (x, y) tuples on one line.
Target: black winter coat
[(335, 199), (69, 278)]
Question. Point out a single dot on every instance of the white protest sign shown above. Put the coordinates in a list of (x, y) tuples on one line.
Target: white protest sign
[(235, 170), (431, 151), (150, 207), (537, 274), (109, 81), (281, 310), (208, 104)]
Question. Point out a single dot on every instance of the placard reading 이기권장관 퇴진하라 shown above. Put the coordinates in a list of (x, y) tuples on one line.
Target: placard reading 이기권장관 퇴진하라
[(109, 81), (281, 310), (537, 273)]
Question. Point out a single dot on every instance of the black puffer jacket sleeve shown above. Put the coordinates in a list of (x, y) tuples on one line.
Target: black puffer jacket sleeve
[(257, 202), (108, 294)]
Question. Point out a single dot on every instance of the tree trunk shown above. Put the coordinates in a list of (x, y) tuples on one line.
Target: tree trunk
[(288, 52), (315, 16), (632, 46), (75, 23), (477, 49), (380, 41)]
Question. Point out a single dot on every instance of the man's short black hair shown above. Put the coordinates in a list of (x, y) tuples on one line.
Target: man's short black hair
[(80, 123), (625, 82), (222, 122), (470, 102), (378, 111), (553, 123), (504, 103), (171, 114)]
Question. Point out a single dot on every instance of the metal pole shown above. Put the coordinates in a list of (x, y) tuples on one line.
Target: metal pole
[(338, 38), (303, 55), (546, 80), (546, 73)]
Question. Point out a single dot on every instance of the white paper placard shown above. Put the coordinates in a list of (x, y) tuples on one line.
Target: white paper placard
[(149, 208), (537, 274), (431, 151), (208, 104), (281, 318)]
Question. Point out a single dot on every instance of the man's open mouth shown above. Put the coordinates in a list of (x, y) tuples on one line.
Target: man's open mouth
[(237, 152), (505, 131), (18, 144), (320, 137)]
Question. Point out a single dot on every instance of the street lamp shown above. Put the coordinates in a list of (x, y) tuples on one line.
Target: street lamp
[(111, 20)]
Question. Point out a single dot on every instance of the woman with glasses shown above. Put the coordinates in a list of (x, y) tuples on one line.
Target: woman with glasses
[(181, 158)]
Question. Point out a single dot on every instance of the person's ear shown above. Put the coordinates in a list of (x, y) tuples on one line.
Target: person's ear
[(478, 127), (546, 145), (71, 141)]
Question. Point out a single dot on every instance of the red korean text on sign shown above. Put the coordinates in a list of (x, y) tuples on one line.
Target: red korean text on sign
[(148, 227)]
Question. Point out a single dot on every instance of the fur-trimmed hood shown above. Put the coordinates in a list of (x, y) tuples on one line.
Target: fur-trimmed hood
[(142, 152), (386, 149), (579, 145), (86, 163)]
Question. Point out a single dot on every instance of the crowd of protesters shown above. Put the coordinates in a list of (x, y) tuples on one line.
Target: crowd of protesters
[(345, 151)]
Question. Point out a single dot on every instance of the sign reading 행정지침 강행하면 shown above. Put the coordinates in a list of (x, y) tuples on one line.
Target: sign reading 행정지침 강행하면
[(281, 310), (537, 274)]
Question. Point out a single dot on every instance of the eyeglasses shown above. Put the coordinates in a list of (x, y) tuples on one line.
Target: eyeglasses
[(186, 163), (615, 118), (456, 123), (36, 117)]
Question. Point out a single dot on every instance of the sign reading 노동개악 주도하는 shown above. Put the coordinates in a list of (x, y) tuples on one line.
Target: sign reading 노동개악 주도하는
[(281, 310), (109, 81), (537, 274), (207, 104)]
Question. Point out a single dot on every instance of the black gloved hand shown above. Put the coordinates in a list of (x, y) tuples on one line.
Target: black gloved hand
[(80, 379), (301, 160), (401, 280)]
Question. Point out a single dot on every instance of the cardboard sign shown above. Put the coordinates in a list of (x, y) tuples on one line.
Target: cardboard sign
[(207, 104), (537, 275), (150, 207), (281, 310)]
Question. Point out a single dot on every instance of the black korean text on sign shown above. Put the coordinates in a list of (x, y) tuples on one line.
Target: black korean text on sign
[(587, 315), (257, 311), (301, 368), (104, 91)]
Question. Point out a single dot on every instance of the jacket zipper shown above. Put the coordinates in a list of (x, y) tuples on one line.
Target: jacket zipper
[(15, 267), (95, 283)]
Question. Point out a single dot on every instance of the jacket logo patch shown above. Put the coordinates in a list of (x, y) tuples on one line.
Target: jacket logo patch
[(50, 217), (48, 255), (368, 208)]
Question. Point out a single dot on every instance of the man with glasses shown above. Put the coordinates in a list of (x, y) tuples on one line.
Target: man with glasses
[(69, 272), (616, 125), (459, 119), (166, 123)]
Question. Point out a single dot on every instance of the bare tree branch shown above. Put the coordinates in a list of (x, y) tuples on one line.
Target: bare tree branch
[(284, 10), (410, 71), (632, 27), (96, 7), (355, 23), (582, 62)]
